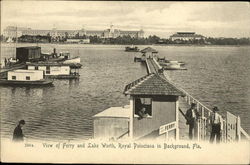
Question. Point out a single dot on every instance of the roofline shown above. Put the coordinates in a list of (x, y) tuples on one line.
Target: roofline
[(142, 79)]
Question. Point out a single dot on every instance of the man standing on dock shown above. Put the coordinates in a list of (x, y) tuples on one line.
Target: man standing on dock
[(192, 116), (216, 125)]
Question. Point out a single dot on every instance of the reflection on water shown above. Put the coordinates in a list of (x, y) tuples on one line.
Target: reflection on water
[(215, 76)]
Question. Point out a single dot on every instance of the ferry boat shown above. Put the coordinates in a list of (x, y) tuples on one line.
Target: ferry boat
[(132, 49), (25, 78)]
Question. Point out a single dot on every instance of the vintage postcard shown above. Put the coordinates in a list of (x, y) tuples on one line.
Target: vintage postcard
[(135, 82)]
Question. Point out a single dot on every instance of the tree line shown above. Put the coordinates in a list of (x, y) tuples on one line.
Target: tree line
[(128, 40)]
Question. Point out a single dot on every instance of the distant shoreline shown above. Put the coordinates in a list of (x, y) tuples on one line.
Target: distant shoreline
[(196, 45), (162, 45)]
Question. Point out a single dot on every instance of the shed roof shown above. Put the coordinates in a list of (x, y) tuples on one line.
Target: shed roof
[(149, 49), (114, 112), (152, 84)]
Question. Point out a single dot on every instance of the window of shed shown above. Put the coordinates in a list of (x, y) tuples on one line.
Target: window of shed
[(143, 107), (13, 77), (27, 77)]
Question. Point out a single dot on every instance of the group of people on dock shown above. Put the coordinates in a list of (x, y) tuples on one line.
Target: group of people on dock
[(192, 116)]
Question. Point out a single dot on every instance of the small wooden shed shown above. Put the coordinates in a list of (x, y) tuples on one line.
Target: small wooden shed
[(112, 123)]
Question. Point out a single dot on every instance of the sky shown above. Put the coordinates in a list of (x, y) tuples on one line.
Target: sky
[(214, 19)]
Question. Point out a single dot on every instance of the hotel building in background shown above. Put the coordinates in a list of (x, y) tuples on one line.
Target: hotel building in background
[(12, 32)]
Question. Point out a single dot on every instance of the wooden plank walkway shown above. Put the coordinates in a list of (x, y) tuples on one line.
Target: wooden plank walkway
[(153, 67), (183, 127)]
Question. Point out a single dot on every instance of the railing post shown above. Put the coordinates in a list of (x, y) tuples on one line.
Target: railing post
[(202, 111), (198, 130), (238, 129), (205, 127)]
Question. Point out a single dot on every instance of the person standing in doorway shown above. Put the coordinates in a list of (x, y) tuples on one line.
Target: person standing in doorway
[(216, 121), (18, 132), (191, 117)]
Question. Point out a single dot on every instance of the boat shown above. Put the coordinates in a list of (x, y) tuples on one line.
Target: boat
[(132, 49), (22, 77), (64, 58), (25, 83), (172, 65), (9, 40), (55, 70), (74, 60)]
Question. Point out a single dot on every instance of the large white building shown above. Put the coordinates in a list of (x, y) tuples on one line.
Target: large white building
[(13, 32), (186, 36)]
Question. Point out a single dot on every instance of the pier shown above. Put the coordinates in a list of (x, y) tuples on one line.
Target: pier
[(232, 129), (165, 105)]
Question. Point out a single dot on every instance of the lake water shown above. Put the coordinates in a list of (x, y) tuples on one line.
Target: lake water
[(216, 76)]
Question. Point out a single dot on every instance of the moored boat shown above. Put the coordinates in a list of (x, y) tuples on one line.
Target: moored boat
[(25, 78), (55, 70), (132, 49), (172, 65), (26, 83), (74, 60)]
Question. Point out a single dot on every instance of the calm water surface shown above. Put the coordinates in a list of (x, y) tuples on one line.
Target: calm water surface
[(215, 76)]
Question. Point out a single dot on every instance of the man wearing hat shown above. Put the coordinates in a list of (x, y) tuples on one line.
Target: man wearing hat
[(216, 121), (18, 132), (191, 117)]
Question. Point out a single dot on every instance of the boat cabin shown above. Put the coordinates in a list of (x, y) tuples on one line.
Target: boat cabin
[(25, 75), (54, 70), (32, 53), (64, 55), (154, 108)]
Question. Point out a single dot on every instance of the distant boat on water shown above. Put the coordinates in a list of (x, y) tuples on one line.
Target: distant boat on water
[(132, 49)]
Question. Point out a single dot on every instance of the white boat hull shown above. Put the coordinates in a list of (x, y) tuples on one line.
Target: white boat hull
[(76, 60)]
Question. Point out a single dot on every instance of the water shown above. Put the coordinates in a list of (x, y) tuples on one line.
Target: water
[(215, 76)]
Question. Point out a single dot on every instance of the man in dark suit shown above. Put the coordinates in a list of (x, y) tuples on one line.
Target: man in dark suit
[(18, 132), (191, 117)]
